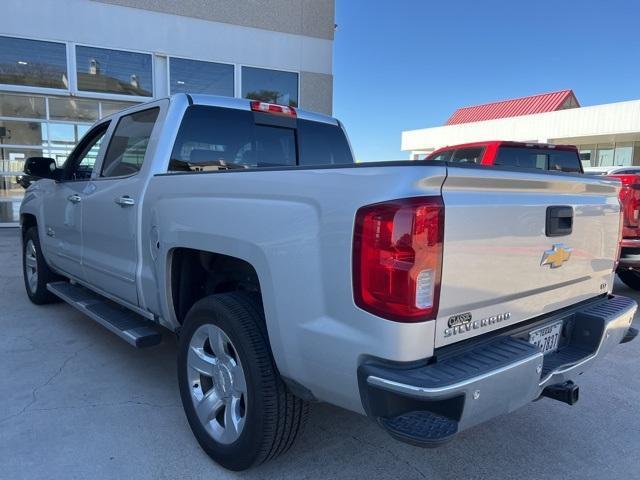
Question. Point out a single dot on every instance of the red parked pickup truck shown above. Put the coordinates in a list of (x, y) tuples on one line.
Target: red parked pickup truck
[(564, 158), (629, 263)]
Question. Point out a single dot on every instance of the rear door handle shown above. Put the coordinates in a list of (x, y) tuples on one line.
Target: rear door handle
[(125, 201), (75, 198)]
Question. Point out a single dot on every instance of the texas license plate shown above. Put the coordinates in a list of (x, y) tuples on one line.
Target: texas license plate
[(546, 338)]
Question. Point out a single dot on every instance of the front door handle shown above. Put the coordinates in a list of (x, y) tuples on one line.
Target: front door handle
[(75, 198), (125, 201)]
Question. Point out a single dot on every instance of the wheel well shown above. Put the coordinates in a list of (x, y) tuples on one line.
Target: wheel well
[(196, 274), (27, 221)]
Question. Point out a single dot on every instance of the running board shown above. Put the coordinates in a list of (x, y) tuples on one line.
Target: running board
[(131, 327)]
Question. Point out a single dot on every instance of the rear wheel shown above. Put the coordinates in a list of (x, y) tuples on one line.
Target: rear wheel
[(35, 271), (631, 278), (238, 407)]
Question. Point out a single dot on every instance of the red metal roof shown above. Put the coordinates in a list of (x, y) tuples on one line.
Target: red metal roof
[(544, 102)]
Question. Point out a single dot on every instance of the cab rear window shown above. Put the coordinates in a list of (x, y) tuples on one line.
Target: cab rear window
[(539, 158), (216, 138)]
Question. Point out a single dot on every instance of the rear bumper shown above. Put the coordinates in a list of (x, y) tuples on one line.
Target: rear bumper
[(487, 378)]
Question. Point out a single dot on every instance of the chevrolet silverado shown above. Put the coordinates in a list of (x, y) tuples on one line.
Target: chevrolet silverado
[(429, 296)]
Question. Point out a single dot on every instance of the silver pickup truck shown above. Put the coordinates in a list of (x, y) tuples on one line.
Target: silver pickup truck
[(428, 296)]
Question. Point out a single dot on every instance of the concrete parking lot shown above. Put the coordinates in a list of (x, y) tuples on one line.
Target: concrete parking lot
[(77, 402)]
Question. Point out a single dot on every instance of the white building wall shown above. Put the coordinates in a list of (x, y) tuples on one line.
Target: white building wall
[(598, 121)]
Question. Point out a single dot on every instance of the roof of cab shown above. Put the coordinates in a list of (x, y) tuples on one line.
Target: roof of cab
[(245, 104), (510, 143)]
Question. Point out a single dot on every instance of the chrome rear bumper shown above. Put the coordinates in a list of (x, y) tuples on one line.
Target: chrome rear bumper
[(498, 375)]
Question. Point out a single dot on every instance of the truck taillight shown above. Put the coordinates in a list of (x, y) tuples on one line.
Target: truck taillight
[(397, 258)]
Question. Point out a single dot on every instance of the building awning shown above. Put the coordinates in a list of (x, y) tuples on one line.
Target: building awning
[(545, 102)]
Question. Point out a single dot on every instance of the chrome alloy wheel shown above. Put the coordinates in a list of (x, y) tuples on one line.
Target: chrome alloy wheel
[(217, 383), (31, 265)]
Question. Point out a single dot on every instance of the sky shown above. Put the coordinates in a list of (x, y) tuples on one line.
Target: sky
[(408, 64)]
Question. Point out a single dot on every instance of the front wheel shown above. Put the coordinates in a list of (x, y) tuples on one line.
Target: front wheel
[(631, 278), (238, 407), (35, 271)]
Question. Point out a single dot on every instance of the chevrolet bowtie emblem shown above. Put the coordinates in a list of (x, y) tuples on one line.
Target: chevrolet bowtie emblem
[(556, 256)]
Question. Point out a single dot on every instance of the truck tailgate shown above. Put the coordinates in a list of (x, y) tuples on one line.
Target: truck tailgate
[(499, 265)]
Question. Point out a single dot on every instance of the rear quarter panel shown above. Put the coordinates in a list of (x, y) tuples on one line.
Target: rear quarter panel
[(295, 227)]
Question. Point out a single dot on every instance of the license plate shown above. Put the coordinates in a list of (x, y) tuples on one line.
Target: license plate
[(546, 338)]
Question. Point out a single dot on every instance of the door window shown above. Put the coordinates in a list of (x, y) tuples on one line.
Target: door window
[(128, 145), (80, 163)]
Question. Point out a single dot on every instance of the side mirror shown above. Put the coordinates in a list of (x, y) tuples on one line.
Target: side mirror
[(42, 167)]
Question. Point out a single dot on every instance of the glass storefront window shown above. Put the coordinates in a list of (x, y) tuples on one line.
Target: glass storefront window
[(33, 63), (12, 159), (21, 132), (62, 134), (605, 155), (623, 154), (11, 165), (73, 109), (59, 154), (112, 107), (270, 86), (114, 71), (82, 129), (25, 106), (193, 76), (587, 155)]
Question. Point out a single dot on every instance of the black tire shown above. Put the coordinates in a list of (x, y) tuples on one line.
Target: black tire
[(274, 416), (39, 293), (630, 278)]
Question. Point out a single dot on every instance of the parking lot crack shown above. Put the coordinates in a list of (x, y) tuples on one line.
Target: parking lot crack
[(34, 392)]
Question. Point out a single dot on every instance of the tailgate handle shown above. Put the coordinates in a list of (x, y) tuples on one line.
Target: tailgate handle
[(559, 221)]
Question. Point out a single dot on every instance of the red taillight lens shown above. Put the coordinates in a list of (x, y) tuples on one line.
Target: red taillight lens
[(273, 108), (397, 258)]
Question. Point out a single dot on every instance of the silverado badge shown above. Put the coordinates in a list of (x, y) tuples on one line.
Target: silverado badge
[(556, 256)]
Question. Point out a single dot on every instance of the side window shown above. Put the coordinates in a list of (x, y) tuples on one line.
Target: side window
[(128, 144), (80, 163), (442, 156), (468, 155)]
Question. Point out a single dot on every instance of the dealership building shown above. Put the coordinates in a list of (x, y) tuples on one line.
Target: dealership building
[(607, 134), (64, 65)]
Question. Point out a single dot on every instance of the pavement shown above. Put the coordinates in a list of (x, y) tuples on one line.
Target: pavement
[(76, 402)]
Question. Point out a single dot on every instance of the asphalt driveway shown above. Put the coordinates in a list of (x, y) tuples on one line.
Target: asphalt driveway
[(77, 402)]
